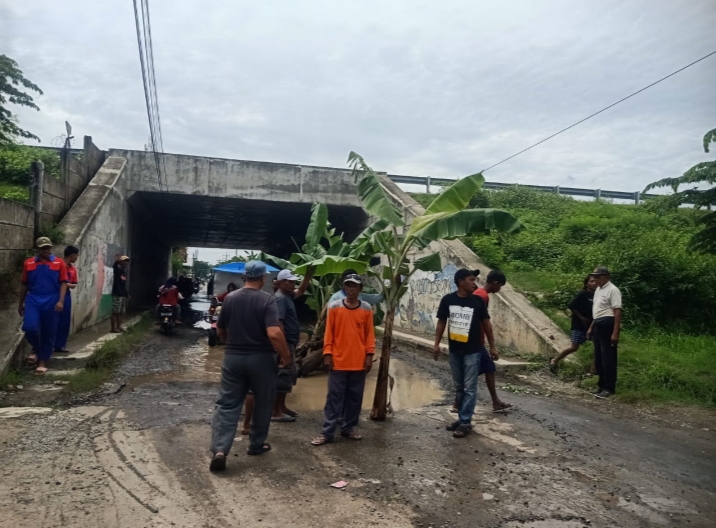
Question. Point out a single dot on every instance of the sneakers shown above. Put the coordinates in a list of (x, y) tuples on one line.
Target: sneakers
[(603, 394)]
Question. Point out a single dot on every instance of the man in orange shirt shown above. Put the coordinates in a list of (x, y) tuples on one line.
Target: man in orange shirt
[(349, 344), (493, 284)]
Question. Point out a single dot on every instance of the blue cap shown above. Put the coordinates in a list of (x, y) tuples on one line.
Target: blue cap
[(255, 269)]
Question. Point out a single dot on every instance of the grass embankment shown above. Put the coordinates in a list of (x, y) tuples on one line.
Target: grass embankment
[(667, 351), (11, 191), (100, 365)]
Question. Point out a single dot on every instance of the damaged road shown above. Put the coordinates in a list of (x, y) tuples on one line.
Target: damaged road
[(139, 458)]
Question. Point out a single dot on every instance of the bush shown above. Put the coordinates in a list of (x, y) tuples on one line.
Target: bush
[(15, 161)]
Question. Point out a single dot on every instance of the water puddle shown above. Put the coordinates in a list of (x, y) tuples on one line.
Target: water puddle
[(200, 362)]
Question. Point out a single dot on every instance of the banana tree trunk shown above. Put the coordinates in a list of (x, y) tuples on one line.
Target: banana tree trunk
[(380, 400)]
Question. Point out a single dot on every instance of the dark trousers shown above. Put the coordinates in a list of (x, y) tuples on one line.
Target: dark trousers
[(239, 374), (605, 354), (345, 397), (63, 327)]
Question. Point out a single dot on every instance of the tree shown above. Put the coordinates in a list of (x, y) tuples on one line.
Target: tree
[(445, 218), (703, 173), (12, 82), (202, 270)]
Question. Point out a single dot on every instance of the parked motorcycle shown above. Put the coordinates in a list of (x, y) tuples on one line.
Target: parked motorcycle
[(166, 318)]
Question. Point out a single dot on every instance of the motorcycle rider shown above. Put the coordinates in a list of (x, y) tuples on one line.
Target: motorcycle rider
[(169, 295)]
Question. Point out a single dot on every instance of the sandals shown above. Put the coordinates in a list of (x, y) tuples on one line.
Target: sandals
[(321, 440), (40, 371), (31, 360), (292, 414), (462, 431), (264, 449), (502, 408), (352, 435), (284, 418), (218, 462)]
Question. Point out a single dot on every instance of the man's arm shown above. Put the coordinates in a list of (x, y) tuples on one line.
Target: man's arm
[(328, 341), (369, 342), (61, 303), (275, 335), (617, 325), (487, 329), (589, 330), (372, 298), (305, 283), (439, 331)]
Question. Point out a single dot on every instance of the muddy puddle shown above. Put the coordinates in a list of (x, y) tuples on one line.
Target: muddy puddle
[(200, 362)]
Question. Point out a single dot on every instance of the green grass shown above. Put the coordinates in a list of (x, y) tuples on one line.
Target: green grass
[(100, 364), (11, 191)]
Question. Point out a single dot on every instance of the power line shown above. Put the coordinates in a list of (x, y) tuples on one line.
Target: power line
[(146, 60), (599, 112)]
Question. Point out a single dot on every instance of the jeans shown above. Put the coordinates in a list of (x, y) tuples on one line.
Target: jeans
[(605, 354), (239, 374), (344, 399), (465, 368)]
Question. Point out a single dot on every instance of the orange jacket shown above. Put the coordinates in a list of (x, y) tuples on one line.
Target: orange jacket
[(349, 336)]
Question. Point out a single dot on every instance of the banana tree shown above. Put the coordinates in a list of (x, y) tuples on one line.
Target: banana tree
[(445, 218)]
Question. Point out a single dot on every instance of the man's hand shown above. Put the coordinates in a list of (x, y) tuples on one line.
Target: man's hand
[(589, 334), (436, 352), (328, 361), (615, 338), (285, 362), (21, 310), (493, 354), (368, 364), (59, 306)]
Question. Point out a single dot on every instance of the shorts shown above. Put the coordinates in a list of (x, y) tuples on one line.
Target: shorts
[(578, 337), (119, 305), (487, 364), (287, 376)]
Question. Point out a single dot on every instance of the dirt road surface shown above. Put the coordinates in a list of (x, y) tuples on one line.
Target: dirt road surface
[(139, 458)]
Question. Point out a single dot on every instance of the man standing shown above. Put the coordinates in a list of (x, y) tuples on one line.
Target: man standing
[(349, 344), (63, 328), (607, 314), (120, 296), (249, 325), (42, 297), (468, 320), (286, 294), (493, 284)]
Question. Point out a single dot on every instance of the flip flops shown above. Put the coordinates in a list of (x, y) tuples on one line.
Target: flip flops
[(264, 449)]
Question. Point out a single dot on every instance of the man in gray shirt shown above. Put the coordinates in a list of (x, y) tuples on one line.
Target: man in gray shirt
[(249, 325)]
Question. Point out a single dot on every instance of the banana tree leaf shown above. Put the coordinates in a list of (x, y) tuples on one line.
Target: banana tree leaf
[(456, 197), (429, 263), (364, 236), (381, 241), (300, 258), (371, 192), (281, 263), (378, 314), (317, 227), (468, 222), (332, 264)]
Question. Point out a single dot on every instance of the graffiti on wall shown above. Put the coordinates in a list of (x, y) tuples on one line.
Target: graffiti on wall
[(419, 306)]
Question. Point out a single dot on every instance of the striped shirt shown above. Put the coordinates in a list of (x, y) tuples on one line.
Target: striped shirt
[(349, 336)]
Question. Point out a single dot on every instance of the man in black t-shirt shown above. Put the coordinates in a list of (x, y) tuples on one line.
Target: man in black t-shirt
[(120, 295), (468, 320), (581, 308)]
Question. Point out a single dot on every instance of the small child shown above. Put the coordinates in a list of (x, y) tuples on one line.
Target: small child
[(349, 344)]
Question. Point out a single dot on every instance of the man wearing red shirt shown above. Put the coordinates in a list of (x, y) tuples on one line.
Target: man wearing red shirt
[(63, 327), (494, 282), (42, 297), (169, 295)]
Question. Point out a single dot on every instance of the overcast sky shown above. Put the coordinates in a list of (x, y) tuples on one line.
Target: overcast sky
[(416, 87)]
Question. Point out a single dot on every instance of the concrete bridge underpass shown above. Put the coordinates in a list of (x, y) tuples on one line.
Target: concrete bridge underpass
[(221, 203)]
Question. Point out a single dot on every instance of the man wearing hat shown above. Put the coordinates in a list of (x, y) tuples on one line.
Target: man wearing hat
[(607, 315), (42, 297), (249, 325)]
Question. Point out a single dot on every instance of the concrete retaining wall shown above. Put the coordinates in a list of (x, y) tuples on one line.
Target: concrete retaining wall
[(97, 225), (518, 324)]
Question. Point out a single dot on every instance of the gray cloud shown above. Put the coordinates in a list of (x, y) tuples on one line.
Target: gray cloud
[(419, 88)]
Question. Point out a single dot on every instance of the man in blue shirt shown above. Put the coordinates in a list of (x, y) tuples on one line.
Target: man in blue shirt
[(42, 297)]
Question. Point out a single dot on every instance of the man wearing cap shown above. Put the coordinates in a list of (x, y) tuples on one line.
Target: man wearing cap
[(63, 329), (249, 325), (42, 297), (469, 319), (370, 298), (607, 318), (120, 295), (348, 347)]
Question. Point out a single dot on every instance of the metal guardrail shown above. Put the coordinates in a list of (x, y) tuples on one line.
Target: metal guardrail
[(428, 181)]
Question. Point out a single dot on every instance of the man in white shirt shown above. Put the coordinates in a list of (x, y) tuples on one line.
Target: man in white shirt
[(607, 314)]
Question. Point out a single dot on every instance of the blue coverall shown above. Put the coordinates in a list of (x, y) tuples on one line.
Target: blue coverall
[(43, 280)]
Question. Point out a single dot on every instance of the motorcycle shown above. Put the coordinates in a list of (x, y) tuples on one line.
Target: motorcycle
[(212, 318), (166, 318)]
